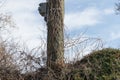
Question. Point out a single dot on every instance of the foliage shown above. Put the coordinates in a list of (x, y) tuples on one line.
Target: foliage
[(99, 65), (118, 7)]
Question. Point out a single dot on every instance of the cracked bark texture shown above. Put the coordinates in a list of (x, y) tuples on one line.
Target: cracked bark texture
[(55, 34)]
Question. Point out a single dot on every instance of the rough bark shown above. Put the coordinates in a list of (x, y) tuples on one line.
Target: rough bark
[(55, 35)]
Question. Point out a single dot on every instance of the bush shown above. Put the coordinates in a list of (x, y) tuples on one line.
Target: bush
[(8, 69), (99, 65)]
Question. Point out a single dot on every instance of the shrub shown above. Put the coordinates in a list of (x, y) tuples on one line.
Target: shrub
[(99, 65)]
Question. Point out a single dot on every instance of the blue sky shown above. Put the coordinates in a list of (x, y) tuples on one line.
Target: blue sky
[(96, 17)]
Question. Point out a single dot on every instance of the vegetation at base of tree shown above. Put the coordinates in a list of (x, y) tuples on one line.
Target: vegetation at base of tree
[(98, 65)]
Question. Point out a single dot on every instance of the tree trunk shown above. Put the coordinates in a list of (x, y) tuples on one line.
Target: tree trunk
[(55, 35)]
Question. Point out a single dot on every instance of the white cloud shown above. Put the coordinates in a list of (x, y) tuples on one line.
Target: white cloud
[(29, 22), (17, 5), (88, 17), (109, 11)]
